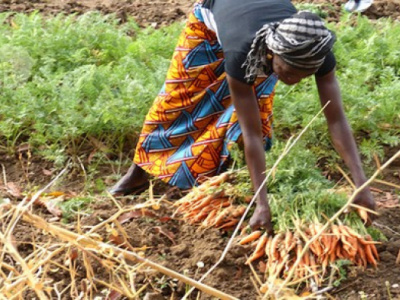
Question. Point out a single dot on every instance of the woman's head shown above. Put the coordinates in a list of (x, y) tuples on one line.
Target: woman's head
[(288, 74), (299, 43)]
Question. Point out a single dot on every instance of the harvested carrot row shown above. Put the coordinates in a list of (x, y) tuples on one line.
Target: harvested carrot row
[(284, 248), (215, 205)]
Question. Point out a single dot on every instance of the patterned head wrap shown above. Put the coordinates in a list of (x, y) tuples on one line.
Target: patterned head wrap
[(302, 41)]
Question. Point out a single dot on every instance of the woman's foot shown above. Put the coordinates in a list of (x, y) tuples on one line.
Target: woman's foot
[(134, 181)]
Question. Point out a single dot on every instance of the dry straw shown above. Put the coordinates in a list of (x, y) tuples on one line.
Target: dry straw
[(100, 250)]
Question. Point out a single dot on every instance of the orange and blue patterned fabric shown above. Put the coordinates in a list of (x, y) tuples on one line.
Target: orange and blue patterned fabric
[(192, 123)]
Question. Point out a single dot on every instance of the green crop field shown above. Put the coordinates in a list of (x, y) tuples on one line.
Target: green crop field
[(66, 79)]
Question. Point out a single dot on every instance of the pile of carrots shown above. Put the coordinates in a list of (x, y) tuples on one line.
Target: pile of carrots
[(214, 204), (283, 249), (209, 206)]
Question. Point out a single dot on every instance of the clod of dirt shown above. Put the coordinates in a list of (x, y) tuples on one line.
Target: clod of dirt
[(394, 247), (181, 250), (387, 256)]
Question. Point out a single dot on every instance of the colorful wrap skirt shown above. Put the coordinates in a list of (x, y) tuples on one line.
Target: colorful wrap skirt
[(192, 123)]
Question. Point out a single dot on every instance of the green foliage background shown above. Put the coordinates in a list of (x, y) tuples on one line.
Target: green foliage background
[(64, 79), (68, 78)]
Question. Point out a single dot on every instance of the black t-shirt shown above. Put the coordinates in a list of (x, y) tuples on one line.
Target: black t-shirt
[(237, 23)]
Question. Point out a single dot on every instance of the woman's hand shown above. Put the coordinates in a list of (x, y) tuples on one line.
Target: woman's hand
[(262, 218)]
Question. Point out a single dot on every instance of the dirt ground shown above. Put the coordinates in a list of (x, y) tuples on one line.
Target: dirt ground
[(182, 247), (192, 251), (162, 12), (186, 249)]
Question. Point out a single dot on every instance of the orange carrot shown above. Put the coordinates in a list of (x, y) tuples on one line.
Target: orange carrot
[(229, 223), (254, 256), (372, 246), (260, 249), (335, 238), (332, 256), (261, 243), (274, 246), (350, 245), (326, 241), (344, 239), (300, 267), (288, 240), (336, 231), (362, 255), (292, 243), (226, 203), (222, 215), (203, 203), (238, 212), (339, 252), (251, 237), (370, 256), (202, 214), (306, 258), (210, 218), (216, 180), (317, 244), (316, 248)]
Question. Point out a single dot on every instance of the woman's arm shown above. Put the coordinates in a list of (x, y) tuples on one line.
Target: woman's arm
[(248, 113), (342, 137)]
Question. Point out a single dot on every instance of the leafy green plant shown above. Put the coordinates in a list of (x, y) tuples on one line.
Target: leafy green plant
[(68, 78), (314, 8), (73, 206), (342, 271)]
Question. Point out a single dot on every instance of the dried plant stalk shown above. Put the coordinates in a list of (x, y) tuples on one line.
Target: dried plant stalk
[(87, 243)]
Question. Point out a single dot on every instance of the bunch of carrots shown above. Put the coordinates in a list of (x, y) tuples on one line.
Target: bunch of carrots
[(216, 203), (210, 206), (283, 249)]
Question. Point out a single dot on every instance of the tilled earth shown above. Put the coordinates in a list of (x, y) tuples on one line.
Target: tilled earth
[(162, 12), (192, 251)]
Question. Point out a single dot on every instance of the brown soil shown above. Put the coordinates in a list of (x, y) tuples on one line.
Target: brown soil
[(162, 12), (146, 13), (379, 9), (192, 251), (184, 248)]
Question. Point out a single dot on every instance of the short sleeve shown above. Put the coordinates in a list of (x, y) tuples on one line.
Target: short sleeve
[(207, 3), (233, 66), (328, 65)]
